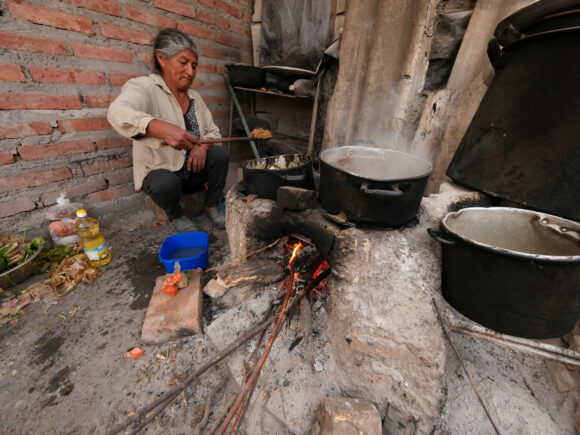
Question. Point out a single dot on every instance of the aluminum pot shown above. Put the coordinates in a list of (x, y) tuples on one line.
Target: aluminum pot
[(264, 176), (371, 185), (512, 270)]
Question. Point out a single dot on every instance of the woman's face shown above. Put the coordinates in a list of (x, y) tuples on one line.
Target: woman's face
[(178, 70)]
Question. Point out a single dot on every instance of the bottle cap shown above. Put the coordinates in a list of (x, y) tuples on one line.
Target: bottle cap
[(81, 213)]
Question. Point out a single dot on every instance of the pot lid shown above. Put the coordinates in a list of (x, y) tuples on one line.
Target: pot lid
[(540, 17)]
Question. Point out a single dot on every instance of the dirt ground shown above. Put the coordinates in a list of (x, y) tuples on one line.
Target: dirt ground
[(61, 369)]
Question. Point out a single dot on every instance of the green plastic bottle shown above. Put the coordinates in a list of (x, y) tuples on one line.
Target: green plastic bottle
[(92, 241)]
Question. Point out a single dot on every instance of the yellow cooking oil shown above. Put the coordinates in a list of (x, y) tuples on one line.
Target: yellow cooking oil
[(92, 241)]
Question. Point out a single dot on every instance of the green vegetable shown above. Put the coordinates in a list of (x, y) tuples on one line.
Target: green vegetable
[(33, 245), (51, 258)]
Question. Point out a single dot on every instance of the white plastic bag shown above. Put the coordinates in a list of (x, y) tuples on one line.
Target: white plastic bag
[(63, 208), (63, 216)]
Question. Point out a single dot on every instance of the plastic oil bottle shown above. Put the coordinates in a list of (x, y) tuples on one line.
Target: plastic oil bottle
[(92, 241)]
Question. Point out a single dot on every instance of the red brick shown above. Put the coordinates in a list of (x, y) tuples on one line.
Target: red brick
[(234, 11), (219, 52), (6, 158), (206, 67), (38, 102), (49, 17), (11, 73), (211, 99), (104, 53), (146, 58), (220, 114), (119, 79), (76, 190), (232, 40), (100, 166), (147, 18), (87, 124), (246, 58), (125, 34), (108, 7), (122, 176), (13, 131), (194, 29), (99, 100), (176, 7), (242, 29), (207, 2), (36, 152), (111, 193), (220, 69), (247, 3), (33, 179), (113, 142), (212, 19), (30, 43), (214, 84), (65, 75), (15, 206)]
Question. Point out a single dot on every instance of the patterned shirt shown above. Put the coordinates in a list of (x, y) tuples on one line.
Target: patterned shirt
[(191, 124)]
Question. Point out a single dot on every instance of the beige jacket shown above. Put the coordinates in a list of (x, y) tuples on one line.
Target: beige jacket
[(143, 99)]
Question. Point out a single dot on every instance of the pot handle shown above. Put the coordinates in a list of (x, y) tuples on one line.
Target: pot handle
[(381, 192), (298, 177), (436, 234)]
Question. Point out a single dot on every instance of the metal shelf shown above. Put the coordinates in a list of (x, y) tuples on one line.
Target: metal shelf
[(272, 92)]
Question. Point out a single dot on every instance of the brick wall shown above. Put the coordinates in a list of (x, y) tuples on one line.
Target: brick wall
[(64, 61)]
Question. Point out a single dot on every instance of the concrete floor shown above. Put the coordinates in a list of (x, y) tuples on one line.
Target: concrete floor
[(61, 369)]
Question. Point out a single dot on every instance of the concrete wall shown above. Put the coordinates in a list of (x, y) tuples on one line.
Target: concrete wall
[(63, 62), (380, 96)]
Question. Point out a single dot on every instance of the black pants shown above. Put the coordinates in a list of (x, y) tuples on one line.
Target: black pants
[(166, 187)]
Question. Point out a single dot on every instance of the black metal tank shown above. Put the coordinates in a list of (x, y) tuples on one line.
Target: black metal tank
[(523, 143)]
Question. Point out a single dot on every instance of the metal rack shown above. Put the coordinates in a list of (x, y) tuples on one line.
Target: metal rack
[(234, 102)]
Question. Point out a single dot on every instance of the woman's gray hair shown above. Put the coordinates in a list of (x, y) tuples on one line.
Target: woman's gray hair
[(169, 42)]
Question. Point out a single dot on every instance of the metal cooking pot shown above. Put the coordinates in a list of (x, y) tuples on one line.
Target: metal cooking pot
[(512, 270), (264, 176), (521, 144), (372, 185)]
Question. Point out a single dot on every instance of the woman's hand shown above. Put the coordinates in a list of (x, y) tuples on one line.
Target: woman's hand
[(197, 156), (172, 135)]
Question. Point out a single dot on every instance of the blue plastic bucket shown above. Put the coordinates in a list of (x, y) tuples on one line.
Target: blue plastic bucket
[(193, 246)]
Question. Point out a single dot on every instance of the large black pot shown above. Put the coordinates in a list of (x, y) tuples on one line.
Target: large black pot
[(371, 185), (264, 176), (512, 270), (521, 144)]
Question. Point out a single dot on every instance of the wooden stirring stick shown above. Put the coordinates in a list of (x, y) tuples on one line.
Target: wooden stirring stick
[(226, 139)]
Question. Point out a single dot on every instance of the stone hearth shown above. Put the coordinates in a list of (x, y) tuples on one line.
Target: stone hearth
[(383, 339)]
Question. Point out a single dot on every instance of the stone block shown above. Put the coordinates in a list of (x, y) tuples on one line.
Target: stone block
[(214, 290), (173, 317), (241, 220), (346, 416), (296, 198)]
